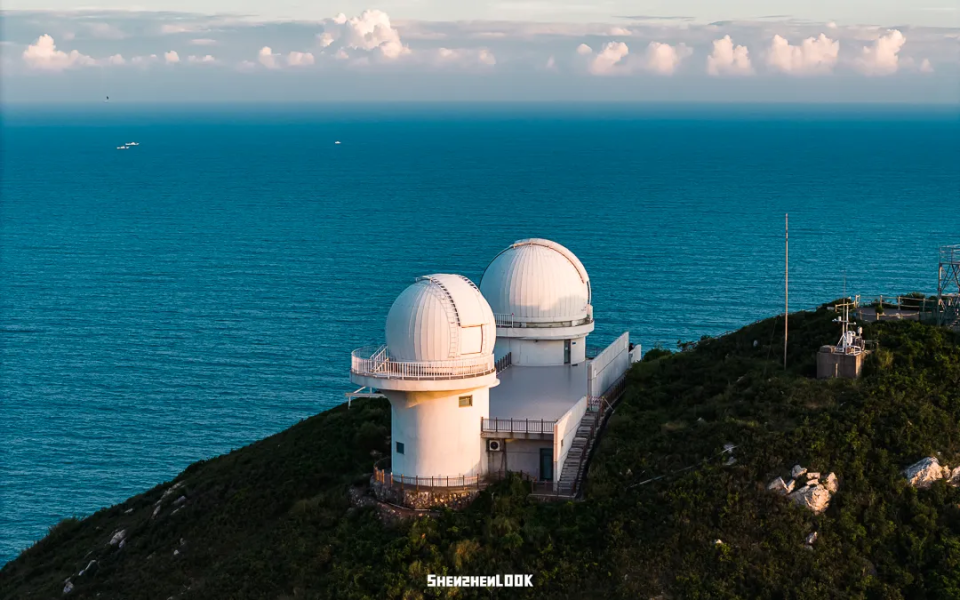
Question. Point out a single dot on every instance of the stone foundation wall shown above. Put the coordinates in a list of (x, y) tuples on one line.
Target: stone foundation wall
[(411, 497)]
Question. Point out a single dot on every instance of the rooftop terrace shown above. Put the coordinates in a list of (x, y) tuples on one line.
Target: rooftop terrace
[(538, 392)]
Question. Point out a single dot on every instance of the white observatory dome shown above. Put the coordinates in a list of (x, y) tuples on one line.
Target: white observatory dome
[(537, 281), (440, 317)]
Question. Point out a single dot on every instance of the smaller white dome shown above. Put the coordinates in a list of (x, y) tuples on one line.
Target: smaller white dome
[(440, 317), (538, 282)]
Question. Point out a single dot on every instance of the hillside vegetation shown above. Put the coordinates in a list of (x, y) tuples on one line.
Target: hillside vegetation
[(275, 520)]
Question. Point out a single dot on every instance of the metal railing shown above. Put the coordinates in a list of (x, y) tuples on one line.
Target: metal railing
[(387, 477), (377, 362), (498, 425), (512, 321), (504, 362), (950, 254), (601, 405)]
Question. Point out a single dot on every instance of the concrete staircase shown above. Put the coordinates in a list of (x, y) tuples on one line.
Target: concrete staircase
[(570, 474)]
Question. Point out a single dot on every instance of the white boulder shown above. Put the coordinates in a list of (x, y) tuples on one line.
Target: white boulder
[(923, 473), (811, 482), (797, 471), (68, 587), (778, 486), (118, 537), (955, 477), (831, 483), (816, 498), (813, 475), (812, 538)]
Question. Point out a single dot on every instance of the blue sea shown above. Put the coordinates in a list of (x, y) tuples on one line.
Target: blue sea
[(204, 289)]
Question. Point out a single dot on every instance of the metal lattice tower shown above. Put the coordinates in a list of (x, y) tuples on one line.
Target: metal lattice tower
[(948, 288)]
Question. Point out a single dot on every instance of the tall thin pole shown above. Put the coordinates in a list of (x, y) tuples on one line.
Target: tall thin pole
[(786, 291)]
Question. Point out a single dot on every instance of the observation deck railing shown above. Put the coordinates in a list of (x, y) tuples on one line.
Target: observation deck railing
[(382, 474), (377, 362), (512, 321), (498, 425)]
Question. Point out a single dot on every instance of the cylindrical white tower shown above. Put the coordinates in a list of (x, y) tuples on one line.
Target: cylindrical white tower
[(436, 369), (540, 295)]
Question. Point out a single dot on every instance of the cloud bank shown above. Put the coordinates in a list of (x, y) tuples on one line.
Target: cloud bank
[(813, 56), (372, 43)]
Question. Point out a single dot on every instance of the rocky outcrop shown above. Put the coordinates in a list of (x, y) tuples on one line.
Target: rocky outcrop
[(955, 477), (815, 497), (781, 487), (831, 483), (810, 491), (924, 473)]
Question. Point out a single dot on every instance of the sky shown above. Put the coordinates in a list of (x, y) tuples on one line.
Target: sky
[(886, 51)]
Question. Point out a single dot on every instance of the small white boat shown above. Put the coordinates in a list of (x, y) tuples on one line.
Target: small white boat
[(132, 144), (337, 142), (123, 147)]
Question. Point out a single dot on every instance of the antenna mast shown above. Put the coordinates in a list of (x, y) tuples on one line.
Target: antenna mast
[(786, 294)]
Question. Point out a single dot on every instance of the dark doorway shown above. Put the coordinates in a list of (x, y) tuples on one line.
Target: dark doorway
[(566, 352), (546, 464)]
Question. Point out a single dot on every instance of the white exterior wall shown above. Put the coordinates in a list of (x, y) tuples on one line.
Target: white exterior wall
[(540, 353), (609, 365), (563, 433), (439, 437), (520, 456)]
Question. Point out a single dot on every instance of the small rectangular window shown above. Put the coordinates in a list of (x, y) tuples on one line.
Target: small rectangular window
[(399, 447), (466, 401)]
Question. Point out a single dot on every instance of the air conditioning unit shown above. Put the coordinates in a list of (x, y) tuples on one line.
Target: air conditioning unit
[(494, 445)]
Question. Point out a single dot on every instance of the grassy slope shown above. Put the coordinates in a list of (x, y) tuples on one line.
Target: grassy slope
[(273, 521)]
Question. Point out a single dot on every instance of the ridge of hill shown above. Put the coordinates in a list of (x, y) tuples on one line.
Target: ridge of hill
[(666, 513)]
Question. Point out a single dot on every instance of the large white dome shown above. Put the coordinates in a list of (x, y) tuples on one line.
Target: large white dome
[(440, 317), (537, 281)]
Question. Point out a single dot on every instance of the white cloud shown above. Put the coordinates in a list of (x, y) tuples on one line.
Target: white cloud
[(203, 42), (728, 59), (467, 56), (371, 31), (881, 58), (615, 59), (831, 25), (551, 64), (204, 60), (267, 57), (171, 57), (619, 31), (43, 54), (605, 62), (812, 56), (173, 28), (664, 58), (925, 66), (300, 59), (116, 60)]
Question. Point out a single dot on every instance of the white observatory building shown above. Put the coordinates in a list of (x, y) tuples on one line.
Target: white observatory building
[(540, 296), (496, 379), (436, 369)]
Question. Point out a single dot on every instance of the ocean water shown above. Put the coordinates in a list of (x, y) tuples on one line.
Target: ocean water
[(173, 301)]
